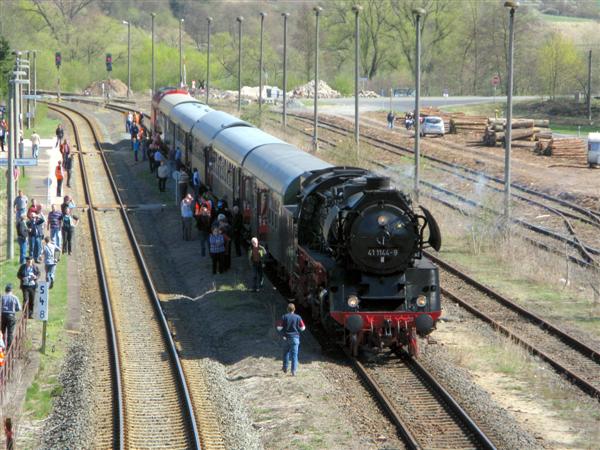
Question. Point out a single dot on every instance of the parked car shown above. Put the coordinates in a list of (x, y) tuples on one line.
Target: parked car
[(432, 125)]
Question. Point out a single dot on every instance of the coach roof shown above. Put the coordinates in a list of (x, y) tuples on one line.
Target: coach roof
[(186, 114), (236, 142), (170, 101), (211, 124), (280, 167)]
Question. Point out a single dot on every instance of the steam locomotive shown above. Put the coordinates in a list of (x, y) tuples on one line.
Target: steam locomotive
[(349, 245)]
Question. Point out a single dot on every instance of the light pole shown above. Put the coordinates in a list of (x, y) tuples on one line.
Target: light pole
[(209, 22), (153, 15), (239, 19), (260, 68), (513, 5), (356, 9), (285, 18), (418, 13), (34, 85), (125, 22), (317, 10), (180, 54)]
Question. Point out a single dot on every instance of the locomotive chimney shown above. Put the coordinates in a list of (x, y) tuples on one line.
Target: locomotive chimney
[(374, 183)]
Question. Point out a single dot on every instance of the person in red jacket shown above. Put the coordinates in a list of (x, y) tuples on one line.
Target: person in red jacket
[(59, 174)]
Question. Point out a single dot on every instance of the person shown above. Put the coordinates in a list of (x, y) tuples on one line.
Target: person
[(390, 119), (134, 131), (203, 224), (184, 180), (217, 249), (68, 166), (158, 159), (237, 229), (65, 149), (35, 144), (20, 204), (60, 134), (69, 222), (178, 163), (59, 173), (290, 326), (35, 207), (51, 254), (21, 147), (35, 234), (196, 181), (55, 224), (136, 147), (2, 134), (10, 306), (256, 258), (225, 230), (163, 173), (128, 122), (186, 217), (28, 274), (67, 203), (22, 237)]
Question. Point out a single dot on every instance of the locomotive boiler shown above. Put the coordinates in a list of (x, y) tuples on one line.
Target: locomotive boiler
[(348, 243)]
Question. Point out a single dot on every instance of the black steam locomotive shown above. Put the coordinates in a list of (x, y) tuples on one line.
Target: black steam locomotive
[(349, 245)]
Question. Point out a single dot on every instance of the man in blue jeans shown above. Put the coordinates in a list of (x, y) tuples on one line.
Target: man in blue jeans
[(290, 326)]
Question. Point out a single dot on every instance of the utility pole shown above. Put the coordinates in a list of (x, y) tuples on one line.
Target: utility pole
[(209, 22), (153, 15), (180, 53), (28, 114), (285, 18), (317, 10), (418, 13), (356, 9), (10, 180), (34, 85), (589, 96), (125, 22), (240, 19), (260, 64), (513, 5)]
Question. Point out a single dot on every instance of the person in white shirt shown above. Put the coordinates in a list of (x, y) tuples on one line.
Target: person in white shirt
[(35, 144)]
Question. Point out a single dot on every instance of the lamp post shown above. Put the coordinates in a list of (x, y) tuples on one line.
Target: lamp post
[(418, 13), (285, 18), (260, 69), (317, 10), (34, 85), (180, 53), (512, 5), (153, 15), (356, 9), (239, 19), (125, 22), (209, 22)]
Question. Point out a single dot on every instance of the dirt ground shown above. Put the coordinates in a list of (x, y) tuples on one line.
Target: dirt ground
[(567, 179)]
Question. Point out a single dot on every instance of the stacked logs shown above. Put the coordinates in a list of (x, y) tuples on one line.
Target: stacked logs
[(467, 124), (573, 149), (524, 131)]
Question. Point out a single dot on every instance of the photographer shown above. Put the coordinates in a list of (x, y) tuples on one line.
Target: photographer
[(28, 274)]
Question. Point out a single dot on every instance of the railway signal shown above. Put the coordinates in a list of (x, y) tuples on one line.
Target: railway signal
[(109, 62)]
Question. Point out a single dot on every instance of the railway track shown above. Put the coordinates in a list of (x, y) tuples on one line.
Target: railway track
[(426, 415), (152, 405), (565, 212), (569, 356)]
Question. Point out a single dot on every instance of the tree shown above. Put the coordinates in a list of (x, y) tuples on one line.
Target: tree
[(6, 62), (559, 64)]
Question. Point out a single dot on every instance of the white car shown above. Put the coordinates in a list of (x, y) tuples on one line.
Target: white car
[(432, 125)]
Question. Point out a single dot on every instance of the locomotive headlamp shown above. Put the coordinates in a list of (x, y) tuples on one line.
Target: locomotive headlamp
[(382, 221), (353, 301), (421, 301)]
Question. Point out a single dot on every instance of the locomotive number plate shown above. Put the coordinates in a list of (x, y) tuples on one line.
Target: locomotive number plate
[(383, 252)]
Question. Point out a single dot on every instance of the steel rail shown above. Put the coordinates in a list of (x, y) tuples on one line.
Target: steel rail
[(148, 281), (119, 434), (412, 441)]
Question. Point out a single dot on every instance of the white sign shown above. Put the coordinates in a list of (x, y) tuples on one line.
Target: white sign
[(20, 162), (42, 297)]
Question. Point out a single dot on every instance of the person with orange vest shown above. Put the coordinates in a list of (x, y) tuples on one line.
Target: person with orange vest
[(60, 175)]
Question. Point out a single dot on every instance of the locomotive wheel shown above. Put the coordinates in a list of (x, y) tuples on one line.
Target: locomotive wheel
[(413, 344)]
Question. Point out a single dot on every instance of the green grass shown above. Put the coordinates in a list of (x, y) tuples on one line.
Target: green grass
[(45, 387), (583, 130)]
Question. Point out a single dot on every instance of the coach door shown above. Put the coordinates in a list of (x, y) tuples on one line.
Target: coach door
[(207, 164)]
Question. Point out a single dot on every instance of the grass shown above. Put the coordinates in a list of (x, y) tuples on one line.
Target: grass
[(45, 387), (45, 126)]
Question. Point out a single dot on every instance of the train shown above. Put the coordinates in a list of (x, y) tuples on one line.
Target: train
[(349, 245)]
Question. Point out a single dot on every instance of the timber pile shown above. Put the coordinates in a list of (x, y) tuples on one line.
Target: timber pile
[(467, 124), (568, 148), (530, 130), (432, 111), (308, 90)]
